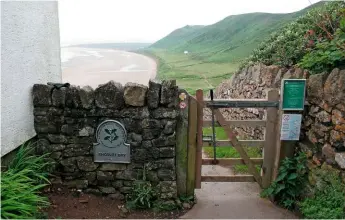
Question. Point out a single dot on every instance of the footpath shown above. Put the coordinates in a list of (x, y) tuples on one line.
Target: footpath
[(232, 200)]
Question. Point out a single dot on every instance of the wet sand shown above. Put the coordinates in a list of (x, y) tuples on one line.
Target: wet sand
[(89, 66)]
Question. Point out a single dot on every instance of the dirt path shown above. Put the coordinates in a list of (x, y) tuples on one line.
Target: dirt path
[(232, 200)]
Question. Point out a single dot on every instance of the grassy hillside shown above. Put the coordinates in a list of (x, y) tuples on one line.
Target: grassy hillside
[(178, 37), (216, 51), (228, 40)]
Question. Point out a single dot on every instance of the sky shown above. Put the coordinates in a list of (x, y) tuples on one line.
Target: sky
[(101, 21)]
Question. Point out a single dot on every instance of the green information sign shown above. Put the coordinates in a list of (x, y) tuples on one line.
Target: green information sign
[(293, 94)]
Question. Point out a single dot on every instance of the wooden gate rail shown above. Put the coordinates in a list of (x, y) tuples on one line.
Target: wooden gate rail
[(271, 104), (227, 143)]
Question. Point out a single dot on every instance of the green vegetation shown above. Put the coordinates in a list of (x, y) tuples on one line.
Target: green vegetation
[(290, 182), (228, 40), (189, 73), (318, 193), (328, 196), (315, 41), (21, 184), (230, 152)]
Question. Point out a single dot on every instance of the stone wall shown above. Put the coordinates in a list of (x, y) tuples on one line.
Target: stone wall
[(323, 126), (66, 120)]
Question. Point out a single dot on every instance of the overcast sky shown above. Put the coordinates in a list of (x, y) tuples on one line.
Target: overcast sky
[(94, 21)]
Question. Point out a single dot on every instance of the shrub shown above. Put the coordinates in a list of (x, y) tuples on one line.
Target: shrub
[(327, 200), (20, 185), (315, 41), (290, 181), (142, 196)]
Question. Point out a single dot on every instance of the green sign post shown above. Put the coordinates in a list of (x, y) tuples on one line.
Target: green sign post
[(293, 94)]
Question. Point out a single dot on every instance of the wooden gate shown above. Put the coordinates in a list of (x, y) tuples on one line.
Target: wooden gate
[(197, 142)]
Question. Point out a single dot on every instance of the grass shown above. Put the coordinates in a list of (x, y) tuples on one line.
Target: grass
[(21, 184), (189, 72), (230, 152), (228, 40)]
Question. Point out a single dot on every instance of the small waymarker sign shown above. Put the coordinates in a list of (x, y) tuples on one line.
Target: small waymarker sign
[(291, 127), (111, 146), (293, 94)]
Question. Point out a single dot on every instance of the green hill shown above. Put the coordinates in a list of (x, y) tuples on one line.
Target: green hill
[(230, 39)]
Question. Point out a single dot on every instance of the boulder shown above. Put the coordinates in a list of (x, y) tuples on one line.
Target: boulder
[(153, 94), (110, 95), (41, 95), (135, 94)]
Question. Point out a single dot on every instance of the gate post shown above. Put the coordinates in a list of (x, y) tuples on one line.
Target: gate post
[(269, 151), (191, 147), (198, 161)]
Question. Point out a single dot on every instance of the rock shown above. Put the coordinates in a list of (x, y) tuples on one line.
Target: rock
[(112, 167), (166, 174), (153, 94), (104, 176), (135, 138), (129, 175), (117, 184), (161, 113), (69, 164), (73, 97), (46, 128), (150, 123), (135, 94), (186, 205), (139, 155), (337, 140), (42, 146), (83, 200), (340, 159), (55, 155), (166, 163), (107, 190), (323, 116), (87, 97), (56, 147), (96, 192), (149, 134), (90, 176), (116, 196), (166, 152), (125, 189), (334, 88), (73, 150), (86, 164), (328, 153), (58, 97), (110, 95), (41, 95), (78, 184), (135, 113), (169, 127), (152, 176), (313, 110), (164, 140), (315, 87), (169, 93), (86, 131), (57, 139)]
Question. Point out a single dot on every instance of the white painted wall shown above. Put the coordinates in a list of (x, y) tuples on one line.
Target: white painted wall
[(30, 53)]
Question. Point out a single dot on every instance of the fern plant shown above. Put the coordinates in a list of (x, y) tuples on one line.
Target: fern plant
[(290, 181)]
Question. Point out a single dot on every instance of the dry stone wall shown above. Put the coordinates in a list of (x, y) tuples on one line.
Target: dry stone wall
[(66, 120), (323, 126)]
